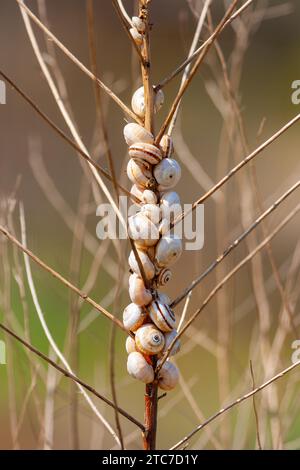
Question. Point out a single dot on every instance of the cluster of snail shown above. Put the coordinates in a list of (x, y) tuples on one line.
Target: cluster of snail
[(149, 318)]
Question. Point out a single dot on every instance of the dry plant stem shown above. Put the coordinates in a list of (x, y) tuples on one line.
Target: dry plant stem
[(70, 376), (234, 244), (65, 137), (199, 50), (226, 279), (235, 403), (240, 165), (63, 280), (74, 59), (255, 409)]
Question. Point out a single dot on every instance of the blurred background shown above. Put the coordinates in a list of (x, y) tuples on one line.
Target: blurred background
[(247, 320)]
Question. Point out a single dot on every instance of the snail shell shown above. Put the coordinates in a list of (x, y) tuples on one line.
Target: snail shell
[(137, 191), (168, 376), (163, 298), (138, 367), (133, 317), (138, 173), (149, 197), (145, 152), (149, 340), (169, 337), (163, 277), (152, 211), (148, 266), (138, 101), (138, 293), (162, 316), (138, 38), (130, 345), (168, 250), (170, 205), (164, 226), (134, 133), (167, 173), (142, 230), (166, 145), (138, 23)]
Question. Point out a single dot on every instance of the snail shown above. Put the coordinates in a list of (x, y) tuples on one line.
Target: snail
[(169, 337), (167, 173), (138, 367), (134, 133), (148, 266), (168, 376), (168, 250), (149, 197), (138, 101), (149, 340), (133, 317), (130, 345), (170, 205), (162, 316), (138, 293), (145, 153), (163, 277), (163, 298), (142, 230), (166, 145), (164, 226), (138, 23), (137, 191), (138, 173), (138, 38), (152, 211)]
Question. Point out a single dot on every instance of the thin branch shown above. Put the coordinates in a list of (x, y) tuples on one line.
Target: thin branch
[(255, 408)]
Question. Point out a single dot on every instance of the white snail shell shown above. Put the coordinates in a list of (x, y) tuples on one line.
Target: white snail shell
[(134, 133), (168, 376), (130, 345), (148, 266), (145, 152), (167, 173), (164, 226), (138, 293), (163, 277), (170, 205), (149, 340), (142, 230), (138, 367), (133, 317), (162, 316), (138, 38), (138, 101), (138, 23), (152, 211), (166, 145), (168, 250), (137, 191), (169, 337), (138, 173), (149, 197)]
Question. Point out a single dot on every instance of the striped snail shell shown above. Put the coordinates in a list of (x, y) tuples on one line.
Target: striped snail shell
[(167, 173), (168, 376), (138, 38), (133, 317), (149, 197), (142, 230), (138, 101), (163, 277), (148, 266), (152, 211), (134, 133), (130, 345), (149, 340), (145, 152), (138, 23), (169, 337), (168, 250), (138, 367), (138, 293), (162, 316), (166, 145), (138, 173)]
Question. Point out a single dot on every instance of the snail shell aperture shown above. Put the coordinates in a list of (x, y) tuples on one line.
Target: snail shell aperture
[(138, 367), (149, 340)]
